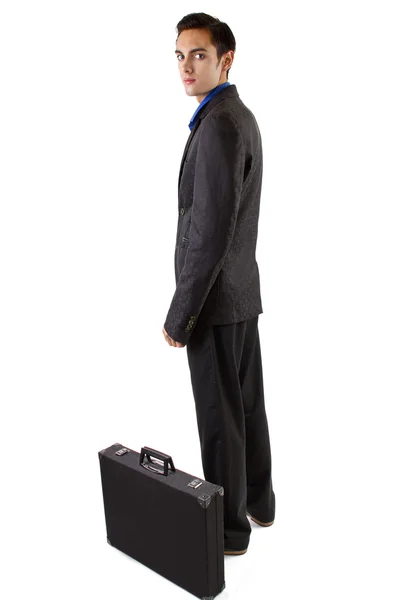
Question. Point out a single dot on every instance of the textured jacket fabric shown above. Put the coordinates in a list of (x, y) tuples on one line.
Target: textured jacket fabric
[(219, 188)]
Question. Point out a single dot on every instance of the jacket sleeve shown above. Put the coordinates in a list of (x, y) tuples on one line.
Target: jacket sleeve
[(216, 195)]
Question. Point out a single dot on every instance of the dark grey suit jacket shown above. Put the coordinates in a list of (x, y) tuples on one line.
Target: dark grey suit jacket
[(216, 272)]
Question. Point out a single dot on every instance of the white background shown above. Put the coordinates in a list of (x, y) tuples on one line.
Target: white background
[(94, 119)]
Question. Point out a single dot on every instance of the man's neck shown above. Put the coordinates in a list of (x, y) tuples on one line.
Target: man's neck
[(201, 97)]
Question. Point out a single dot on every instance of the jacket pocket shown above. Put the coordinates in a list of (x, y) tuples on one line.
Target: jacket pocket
[(184, 241)]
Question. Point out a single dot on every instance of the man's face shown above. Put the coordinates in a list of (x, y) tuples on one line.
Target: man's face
[(201, 65)]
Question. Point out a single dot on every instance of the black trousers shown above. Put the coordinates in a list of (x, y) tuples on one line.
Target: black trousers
[(227, 380)]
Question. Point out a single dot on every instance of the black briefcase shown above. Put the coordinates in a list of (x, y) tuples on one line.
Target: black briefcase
[(170, 521)]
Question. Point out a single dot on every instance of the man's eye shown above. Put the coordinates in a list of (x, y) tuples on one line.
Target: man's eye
[(198, 54)]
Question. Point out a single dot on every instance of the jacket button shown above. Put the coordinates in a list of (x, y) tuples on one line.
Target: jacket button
[(182, 210)]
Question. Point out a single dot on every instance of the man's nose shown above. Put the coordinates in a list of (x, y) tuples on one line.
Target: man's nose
[(186, 66)]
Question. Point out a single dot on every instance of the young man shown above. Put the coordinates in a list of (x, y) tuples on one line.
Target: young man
[(215, 307)]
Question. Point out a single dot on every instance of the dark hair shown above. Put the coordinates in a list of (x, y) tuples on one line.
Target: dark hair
[(221, 35)]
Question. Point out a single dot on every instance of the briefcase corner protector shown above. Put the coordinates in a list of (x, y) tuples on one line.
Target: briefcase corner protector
[(205, 499)]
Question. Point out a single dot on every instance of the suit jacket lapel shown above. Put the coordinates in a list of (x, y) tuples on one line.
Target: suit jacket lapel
[(197, 123), (229, 91)]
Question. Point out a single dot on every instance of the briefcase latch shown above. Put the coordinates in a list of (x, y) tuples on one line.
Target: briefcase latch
[(122, 451), (196, 483)]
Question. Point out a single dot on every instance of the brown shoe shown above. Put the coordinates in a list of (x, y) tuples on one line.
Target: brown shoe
[(262, 523), (235, 551)]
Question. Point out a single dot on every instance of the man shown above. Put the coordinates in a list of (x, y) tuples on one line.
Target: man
[(215, 307)]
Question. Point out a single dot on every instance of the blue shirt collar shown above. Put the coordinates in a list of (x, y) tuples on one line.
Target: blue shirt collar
[(205, 100)]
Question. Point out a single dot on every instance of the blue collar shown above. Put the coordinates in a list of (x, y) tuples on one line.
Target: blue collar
[(205, 100)]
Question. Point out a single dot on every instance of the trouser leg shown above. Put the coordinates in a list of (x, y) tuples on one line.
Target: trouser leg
[(219, 366), (260, 493)]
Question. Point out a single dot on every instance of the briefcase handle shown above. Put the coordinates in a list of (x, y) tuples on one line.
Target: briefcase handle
[(165, 458)]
